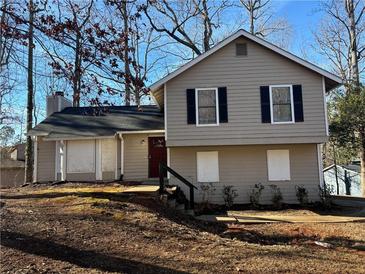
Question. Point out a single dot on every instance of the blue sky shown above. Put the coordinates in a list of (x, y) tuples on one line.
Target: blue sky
[(304, 17)]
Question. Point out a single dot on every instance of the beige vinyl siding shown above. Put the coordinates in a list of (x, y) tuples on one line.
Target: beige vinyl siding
[(136, 156), (46, 160), (244, 166), (243, 76)]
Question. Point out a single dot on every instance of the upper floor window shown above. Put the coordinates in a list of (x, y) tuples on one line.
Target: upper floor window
[(207, 106), (281, 104)]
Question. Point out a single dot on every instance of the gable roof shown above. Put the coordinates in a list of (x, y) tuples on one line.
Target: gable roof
[(332, 80), (89, 122)]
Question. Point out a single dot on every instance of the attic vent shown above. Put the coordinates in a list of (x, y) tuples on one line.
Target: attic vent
[(241, 49)]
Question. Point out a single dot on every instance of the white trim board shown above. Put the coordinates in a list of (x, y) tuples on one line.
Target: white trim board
[(325, 106), (35, 161), (320, 165), (157, 85), (142, 131), (77, 138), (165, 109)]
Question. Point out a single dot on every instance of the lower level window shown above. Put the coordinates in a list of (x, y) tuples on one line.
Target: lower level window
[(207, 166), (278, 165)]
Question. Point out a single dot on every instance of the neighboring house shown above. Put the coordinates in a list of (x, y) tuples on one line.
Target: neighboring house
[(347, 181), (12, 167), (242, 113), (18, 152)]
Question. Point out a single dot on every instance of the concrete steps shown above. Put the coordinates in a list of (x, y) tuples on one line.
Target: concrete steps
[(173, 199)]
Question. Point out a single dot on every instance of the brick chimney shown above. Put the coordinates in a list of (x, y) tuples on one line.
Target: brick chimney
[(57, 102)]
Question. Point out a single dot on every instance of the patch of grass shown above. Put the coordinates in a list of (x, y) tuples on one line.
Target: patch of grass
[(118, 216), (104, 189)]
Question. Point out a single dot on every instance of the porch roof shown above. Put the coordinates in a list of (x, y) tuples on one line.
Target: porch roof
[(91, 122)]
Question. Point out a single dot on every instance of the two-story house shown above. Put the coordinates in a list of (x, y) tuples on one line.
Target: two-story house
[(242, 113)]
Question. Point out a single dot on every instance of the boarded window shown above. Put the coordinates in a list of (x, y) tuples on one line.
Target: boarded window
[(278, 165), (207, 106), (81, 156), (281, 104), (108, 154), (207, 166), (241, 49)]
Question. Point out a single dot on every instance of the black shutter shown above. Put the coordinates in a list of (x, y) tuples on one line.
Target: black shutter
[(265, 104), (298, 103), (190, 102), (223, 109)]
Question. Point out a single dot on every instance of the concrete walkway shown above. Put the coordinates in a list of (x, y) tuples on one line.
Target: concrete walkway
[(257, 219), (142, 189)]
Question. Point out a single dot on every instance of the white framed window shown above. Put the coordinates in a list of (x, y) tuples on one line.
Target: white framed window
[(278, 165), (281, 104), (207, 106), (207, 166)]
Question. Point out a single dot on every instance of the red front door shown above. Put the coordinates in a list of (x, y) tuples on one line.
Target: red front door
[(157, 153)]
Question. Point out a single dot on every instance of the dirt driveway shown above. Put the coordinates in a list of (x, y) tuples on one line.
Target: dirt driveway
[(86, 229)]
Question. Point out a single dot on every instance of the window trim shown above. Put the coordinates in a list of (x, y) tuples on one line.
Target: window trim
[(291, 103), (197, 107)]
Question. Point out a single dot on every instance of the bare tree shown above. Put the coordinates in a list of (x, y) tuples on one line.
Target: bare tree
[(29, 142), (180, 20), (340, 38), (8, 38), (69, 31), (262, 21)]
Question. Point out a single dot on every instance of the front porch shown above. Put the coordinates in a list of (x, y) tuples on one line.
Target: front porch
[(130, 156)]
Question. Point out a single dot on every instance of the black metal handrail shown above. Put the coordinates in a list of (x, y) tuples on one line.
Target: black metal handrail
[(162, 168)]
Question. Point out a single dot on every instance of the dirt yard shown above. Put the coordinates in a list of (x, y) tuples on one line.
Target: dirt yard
[(95, 229)]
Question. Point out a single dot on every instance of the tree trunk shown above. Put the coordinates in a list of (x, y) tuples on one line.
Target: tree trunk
[(77, 72), (29, 143), (127, 88), (252, 23), (355, 78), (207, 26), (362, 162)]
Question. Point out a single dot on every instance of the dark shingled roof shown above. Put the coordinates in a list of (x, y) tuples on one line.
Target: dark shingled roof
[(99, 121)]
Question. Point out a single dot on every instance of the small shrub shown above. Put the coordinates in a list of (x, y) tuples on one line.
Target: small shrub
[(302, 195), (229, 194), (325, 196), (207, 190), (255, 195), (277, 197)]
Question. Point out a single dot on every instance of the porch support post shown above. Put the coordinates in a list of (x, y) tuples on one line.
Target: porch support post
[(116, 175), (63, 159), (35, 159), (98, 169), (168, 162), (121, 155)]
